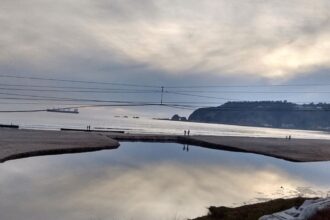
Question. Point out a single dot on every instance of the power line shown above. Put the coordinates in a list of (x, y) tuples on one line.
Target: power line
[(56, 98), (84, 91), (256, 85), (50, 98), (252, 92), (96, 100), (102, 90), (59, 87), (91, 106), (149, 89), (111, 101), (189, 107), (198, 104), (202, 96), (77, 81), (169, 87), (34, 103)]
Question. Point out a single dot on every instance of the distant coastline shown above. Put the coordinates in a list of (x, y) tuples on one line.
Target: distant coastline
[(269, 114)]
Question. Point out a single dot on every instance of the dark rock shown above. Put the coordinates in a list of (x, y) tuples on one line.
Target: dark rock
[(176, 117)]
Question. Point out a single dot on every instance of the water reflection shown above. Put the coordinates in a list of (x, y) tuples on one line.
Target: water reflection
[(148, 181), (186, 147)]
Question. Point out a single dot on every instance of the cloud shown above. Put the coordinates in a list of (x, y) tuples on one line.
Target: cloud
[(262, 38), (300, 56)]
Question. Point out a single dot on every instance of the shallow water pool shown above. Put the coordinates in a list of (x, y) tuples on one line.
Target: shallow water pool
[(148, 181)]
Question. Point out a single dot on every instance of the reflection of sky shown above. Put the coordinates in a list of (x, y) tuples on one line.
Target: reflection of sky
[(148, 181)]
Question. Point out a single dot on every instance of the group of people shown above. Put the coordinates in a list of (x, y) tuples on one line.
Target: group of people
[(186, 132), (186, 146), (288, 137), (88, 127)]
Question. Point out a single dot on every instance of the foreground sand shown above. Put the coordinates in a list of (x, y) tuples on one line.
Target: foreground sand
[(296, 150), (16, 143)]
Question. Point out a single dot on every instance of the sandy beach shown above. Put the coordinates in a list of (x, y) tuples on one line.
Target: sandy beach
[(296, 150), (17, 143)]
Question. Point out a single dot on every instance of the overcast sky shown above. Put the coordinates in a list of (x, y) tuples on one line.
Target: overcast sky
[(170, 42)]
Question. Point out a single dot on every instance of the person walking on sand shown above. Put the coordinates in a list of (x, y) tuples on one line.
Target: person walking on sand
[(188, 132), (185, 132)]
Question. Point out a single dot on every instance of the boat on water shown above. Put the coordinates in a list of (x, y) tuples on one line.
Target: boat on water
[(64, 110)]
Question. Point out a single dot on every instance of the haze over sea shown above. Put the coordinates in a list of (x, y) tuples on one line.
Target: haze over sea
[(106, 120)]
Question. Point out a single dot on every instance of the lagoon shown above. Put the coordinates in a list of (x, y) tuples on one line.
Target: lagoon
[(149, 181)]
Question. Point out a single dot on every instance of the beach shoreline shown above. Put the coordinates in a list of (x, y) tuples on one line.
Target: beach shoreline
[(17, 143), (20, 143)]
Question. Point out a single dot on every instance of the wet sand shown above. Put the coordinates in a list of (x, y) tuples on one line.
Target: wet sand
[(296, 150), (15, 143)]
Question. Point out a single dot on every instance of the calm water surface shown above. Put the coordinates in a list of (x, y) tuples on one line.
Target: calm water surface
[(143, 181), (44, 120)]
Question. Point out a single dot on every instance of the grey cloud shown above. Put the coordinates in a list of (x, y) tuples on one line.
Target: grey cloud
[(124, 10), (166, 42)]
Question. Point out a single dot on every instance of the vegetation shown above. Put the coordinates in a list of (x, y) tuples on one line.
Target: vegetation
[(267, 114), (252, 212), (322, 215)]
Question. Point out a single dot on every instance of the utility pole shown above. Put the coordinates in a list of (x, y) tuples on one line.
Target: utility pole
[(161, 97)]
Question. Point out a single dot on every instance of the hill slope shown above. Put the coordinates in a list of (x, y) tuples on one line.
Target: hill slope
[(267, 114)]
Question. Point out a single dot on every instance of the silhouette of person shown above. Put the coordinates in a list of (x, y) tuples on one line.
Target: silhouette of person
[(185, 132), (188, 132)]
